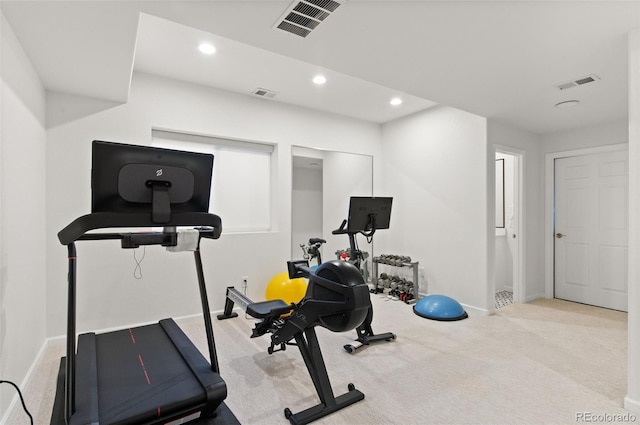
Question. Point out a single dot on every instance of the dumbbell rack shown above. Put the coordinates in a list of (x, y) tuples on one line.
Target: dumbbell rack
[(415, 267)]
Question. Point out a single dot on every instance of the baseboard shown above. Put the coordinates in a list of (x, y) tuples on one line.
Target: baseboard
[(25, 382), (534, 297), (477, 311), (632, 405), (135, 325)]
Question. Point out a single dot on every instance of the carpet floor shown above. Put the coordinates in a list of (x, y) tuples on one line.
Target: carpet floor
[(545, 362)]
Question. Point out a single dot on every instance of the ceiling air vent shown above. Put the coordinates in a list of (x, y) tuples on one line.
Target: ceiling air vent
[(578, 82), (302, 17), (269, 94)]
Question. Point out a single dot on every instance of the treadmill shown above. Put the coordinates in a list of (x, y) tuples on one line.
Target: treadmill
[(151, 374)]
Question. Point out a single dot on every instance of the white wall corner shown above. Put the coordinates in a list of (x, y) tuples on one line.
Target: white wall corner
[(632, 400), (632, 405), (535, 296), (15, 401)]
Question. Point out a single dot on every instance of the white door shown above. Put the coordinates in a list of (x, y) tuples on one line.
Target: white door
[(591, 229)]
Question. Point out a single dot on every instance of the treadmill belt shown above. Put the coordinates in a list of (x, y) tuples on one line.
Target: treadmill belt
[(144, 374), (223, 415), (141, 376)]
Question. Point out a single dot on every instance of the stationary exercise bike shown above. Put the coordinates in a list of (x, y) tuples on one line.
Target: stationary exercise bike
[(337, 299), (311, 250), (366, 215)]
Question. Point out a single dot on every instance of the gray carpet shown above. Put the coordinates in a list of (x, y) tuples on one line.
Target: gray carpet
[(538, 363)]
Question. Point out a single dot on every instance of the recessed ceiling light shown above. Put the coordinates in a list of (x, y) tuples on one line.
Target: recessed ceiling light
[(207, 49), (319, 80), (396, 101), (567, 104)]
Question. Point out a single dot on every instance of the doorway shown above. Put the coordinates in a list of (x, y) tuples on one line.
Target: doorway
[(509, 232)]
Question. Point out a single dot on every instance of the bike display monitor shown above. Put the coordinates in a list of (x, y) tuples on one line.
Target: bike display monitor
[(367, 214)]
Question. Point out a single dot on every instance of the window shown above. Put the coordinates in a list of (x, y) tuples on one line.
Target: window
[(241, 184)]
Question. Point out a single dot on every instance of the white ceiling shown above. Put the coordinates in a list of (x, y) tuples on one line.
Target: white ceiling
[(498, 59), (169, 49)]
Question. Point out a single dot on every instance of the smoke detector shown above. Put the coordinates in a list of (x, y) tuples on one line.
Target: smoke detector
[(304, 16), (578, 82), (567, 104)]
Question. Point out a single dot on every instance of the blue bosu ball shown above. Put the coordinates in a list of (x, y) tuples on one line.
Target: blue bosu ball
[(439, 307)]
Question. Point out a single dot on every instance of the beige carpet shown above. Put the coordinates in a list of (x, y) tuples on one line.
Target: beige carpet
[(538, 363)]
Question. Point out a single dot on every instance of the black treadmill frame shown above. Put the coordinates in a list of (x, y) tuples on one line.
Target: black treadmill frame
[(208, 225)]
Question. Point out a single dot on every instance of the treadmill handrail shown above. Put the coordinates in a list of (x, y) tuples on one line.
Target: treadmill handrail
[(209, 226), (104, 220)]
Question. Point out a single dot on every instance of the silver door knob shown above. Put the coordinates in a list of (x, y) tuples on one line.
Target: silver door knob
[(560, 235)]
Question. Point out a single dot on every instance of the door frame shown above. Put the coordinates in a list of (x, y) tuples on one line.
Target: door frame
[(549, 185), (519, 285)]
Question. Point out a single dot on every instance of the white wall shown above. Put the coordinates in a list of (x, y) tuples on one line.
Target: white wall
[(632, 400), (529, 146), (435, 168), (108, 295), (586, 137), (22, 216)]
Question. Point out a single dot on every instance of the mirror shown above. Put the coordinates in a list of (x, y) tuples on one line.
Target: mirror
[(322, 183), (500, 193)]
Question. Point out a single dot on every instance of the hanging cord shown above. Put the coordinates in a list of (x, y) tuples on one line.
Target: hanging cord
[(244, 291), (137, 271), (24, 406)]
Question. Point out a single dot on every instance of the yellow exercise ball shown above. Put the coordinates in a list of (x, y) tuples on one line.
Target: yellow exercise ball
[(280, 287)]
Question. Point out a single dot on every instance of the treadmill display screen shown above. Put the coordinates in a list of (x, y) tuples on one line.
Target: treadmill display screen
[(129, 178)]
